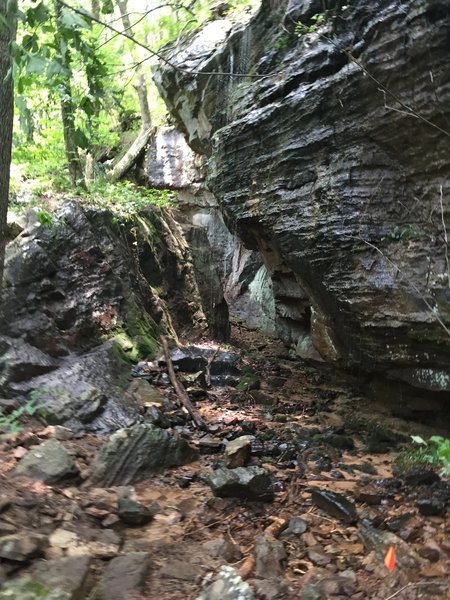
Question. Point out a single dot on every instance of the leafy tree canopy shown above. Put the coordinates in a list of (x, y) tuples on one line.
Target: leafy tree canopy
[(75, 79)]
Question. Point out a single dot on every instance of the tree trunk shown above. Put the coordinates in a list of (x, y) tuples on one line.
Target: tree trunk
[(95, 8), (67, 106), (8, 22), (141, 85), (141, 88)]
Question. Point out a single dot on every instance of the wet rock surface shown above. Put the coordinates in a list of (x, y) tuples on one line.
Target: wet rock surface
[(73, 285), (335, 505), (243, 482), (330, 210)]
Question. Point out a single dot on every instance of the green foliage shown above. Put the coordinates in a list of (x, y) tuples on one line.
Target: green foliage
[(317, 20), (10, 423), (283, 41), (435, 452), (125, 198), (73, 58), (45, 218), (405, 233), (248, 381), (41, 163)]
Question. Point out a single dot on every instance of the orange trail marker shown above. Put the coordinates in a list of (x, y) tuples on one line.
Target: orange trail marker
[(389, 559)]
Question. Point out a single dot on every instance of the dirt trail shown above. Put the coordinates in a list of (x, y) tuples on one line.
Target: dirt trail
[(311, 430)]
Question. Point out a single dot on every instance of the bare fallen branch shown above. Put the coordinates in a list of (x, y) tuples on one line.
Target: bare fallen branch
[(180, 391)]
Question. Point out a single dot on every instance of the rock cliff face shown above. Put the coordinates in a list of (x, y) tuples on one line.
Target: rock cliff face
[(331, 159), (229, 275), (87, 294)]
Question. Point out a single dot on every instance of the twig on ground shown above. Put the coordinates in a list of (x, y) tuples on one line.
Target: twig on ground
[(412, 585), (277, 526), (247, 567)]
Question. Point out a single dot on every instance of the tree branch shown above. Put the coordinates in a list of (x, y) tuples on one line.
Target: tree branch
[(158, 54)]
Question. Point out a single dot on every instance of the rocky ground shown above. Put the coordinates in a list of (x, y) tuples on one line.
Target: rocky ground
[(291, 493)]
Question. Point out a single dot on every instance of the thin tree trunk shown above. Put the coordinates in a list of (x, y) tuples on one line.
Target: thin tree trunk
[(67, 107), (89, 166), (8, 23), (141, 85), (95, 8), (126, 162)]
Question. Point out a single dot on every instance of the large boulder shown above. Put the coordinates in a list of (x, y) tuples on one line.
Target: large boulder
[(90, 274), (86, 393), (333, 167)]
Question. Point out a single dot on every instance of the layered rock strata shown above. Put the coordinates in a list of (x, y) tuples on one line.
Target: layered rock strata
[(328, 150)]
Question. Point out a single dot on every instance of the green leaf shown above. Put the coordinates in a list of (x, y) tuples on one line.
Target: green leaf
[(418, 440), (437, 439), (81, 139), (72, 20), (37, 15), (55, 68), (107, 7), (36, 64), (30, 42), (87, 106)]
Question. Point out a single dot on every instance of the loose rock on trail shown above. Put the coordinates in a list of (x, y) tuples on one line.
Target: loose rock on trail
[(287, 495)]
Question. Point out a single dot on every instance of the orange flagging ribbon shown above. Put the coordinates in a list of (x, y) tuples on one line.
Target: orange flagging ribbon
[(389, 559)]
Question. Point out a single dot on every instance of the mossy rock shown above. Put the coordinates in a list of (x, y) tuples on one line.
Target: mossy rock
[(27, 589), (280, 418), (137, 338), (248, 382)]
